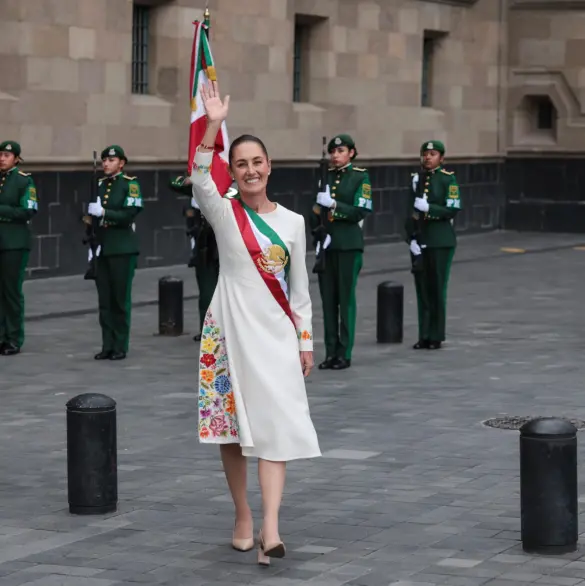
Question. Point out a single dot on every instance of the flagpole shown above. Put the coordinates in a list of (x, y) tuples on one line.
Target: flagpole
[(207, 19)]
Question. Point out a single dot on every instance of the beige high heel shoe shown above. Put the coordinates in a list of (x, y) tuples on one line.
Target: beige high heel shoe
[(272, 550), (242, 543)]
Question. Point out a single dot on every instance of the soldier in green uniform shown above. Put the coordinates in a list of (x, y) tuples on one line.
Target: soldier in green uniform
[(434, 204), (348, 196), (18, 204), (205, 254), (119, 202)]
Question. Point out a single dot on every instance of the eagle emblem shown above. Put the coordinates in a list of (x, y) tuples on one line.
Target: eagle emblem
[(273, 259)]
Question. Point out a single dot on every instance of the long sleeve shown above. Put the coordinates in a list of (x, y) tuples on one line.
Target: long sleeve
[(362, 204), (452, 203), (131, 208), (28, 204), (18, 215), (212, 205), (178, 186), (300, 299), (124, 217)]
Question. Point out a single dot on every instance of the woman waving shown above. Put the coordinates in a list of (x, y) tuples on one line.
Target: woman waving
[(257, 343)]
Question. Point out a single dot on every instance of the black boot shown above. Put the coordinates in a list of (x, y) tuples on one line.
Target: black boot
[(117, 355), (197, 338), (434, 345), (341, 364), (327, 363), (421, 345), (103, 355), (10, 349)]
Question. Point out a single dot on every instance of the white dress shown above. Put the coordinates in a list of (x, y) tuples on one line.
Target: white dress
[(251, 385)]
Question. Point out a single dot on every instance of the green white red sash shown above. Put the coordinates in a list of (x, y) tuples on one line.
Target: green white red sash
[(269, 253)]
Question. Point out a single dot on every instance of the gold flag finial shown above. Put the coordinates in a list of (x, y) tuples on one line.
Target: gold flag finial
[(206, 14)]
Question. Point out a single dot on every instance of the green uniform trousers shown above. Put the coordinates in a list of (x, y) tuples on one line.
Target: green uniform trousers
[(337, 285), (431, 293), (206, 276), (12, 266), (114, 275)]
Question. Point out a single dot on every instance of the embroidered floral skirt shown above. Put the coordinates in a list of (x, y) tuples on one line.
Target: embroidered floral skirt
[(218, 422)]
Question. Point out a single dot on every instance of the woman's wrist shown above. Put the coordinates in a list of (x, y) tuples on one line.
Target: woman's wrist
[(214, 124)]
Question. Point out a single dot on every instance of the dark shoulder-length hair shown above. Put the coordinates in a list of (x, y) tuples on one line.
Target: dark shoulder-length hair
[(246, 138)]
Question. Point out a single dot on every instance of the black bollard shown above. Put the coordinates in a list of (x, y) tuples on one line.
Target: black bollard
[(92, 468), (390, 313), (548, 486), (170, 306)]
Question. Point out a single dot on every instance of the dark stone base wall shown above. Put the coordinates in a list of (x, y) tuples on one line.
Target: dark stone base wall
[(545, 195), (58, 249)]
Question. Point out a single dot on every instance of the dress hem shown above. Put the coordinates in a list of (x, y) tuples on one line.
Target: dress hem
[(220, 441)]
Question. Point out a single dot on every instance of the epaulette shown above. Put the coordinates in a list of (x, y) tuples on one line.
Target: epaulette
[(447, 172), (359, 169), (129, 178), (23, 173)]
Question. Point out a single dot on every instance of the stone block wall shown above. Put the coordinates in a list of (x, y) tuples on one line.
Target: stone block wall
[(546, 187), (67, 87)]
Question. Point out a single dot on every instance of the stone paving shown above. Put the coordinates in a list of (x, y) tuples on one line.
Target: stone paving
[(412, 489)]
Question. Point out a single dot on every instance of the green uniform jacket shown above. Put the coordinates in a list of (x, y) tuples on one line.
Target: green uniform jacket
[(205, 238), (351, 188), (121, 198), (442, 192), (18, 204)]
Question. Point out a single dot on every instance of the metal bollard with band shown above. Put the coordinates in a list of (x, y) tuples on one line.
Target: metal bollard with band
[(170, 306), (548, 486), (390, 313), (92, 461)]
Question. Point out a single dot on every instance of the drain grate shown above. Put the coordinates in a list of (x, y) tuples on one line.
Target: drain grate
[(515, 422)]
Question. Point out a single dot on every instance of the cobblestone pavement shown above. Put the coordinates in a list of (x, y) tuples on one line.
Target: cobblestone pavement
[(412, 489)]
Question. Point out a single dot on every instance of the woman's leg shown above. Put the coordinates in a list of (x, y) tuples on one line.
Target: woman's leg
[(235, 468), (271, 476)]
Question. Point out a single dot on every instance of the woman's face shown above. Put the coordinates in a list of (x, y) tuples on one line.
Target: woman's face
[(341, 156), (431, 159), (250, 167)]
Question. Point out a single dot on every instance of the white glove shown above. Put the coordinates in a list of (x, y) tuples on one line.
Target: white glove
[(326, 244), (90, 253), (194, 203), (324, 198), (96, 209), (421, 204), (415, 179), (415, 248)]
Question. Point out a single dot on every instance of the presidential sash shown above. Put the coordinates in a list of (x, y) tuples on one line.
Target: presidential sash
[(268, 252)]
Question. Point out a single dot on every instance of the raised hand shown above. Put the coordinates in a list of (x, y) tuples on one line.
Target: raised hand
[(215, 109)]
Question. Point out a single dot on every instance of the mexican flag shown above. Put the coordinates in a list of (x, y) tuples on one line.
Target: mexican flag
[(203, 67)]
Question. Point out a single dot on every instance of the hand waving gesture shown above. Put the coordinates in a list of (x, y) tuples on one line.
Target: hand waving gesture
[(215, 109)]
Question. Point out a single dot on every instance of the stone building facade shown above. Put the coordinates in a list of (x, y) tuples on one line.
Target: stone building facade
[(502, 82)]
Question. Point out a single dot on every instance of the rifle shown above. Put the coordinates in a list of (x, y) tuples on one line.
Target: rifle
[(91, 226), (320, 232), (193, 220), (417, 260)]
